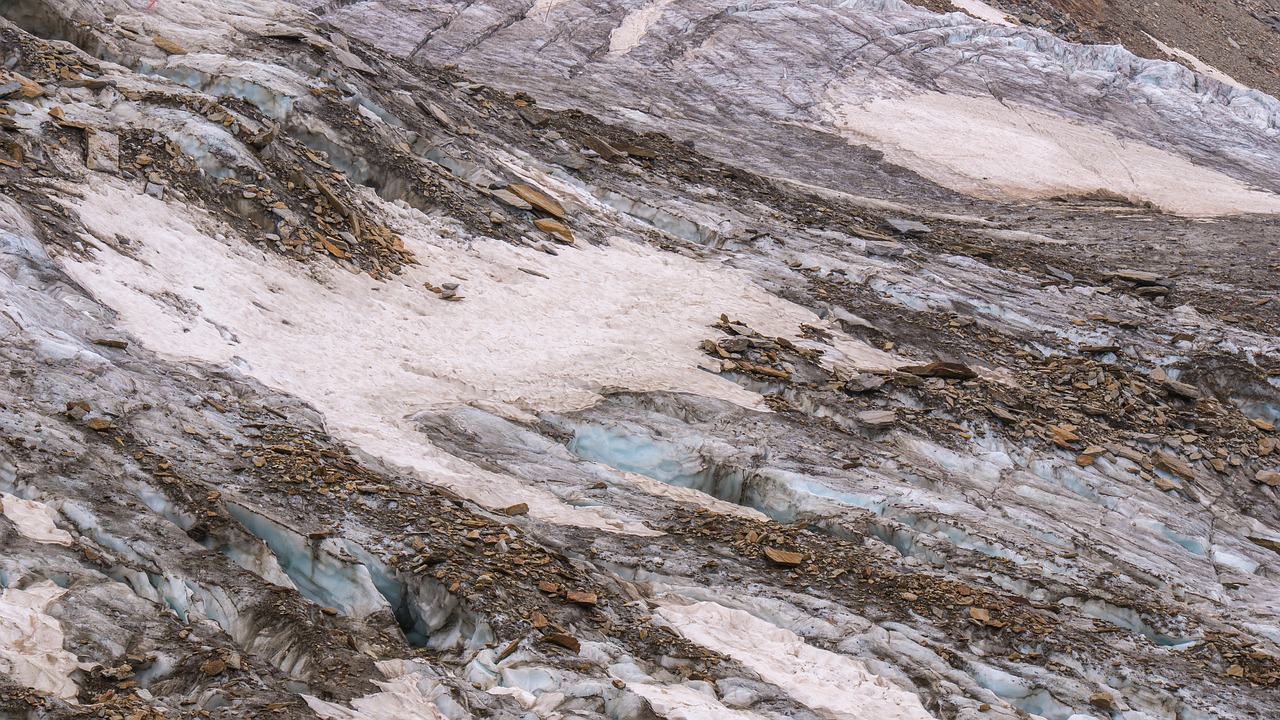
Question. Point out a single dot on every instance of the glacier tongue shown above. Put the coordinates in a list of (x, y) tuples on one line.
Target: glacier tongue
[(631, 360)]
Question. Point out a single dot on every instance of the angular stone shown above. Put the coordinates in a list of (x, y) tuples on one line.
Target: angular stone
[(532, 115), (1181, 389), (878, 418), (511, 199), (168, 46), (1268, 477), (102, 151), (352, 61), (885, 249), (555, 228), (863, 383), (1103, 700), (1139, 277), (902, 226), (945, 370), (537, 199), (602, 148), (1172, 464), (784, 558), (564, 640)]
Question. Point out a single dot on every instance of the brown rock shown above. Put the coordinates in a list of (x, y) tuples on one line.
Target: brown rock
[(1064, 435), (1268, 477), (30, 88), (564, 640), (783, 557), (537, 199), (99, 424), (554, 227), (213, 667), (1182, 389), (1172, 464), (582, 598), (517, 509), (168, 46), (602, 148), (1104, 700), (945, 370), (878, 418)]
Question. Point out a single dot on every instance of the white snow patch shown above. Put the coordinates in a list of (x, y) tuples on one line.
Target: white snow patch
[(405, 694), (982, 11), (34, 520), (681, 702), (31, 641), (1197, 64), (627, 36), (369, 355), (992, 149), (832, 685)]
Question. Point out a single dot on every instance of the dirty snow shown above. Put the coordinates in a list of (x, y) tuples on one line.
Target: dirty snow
[(834, 686), (34, 520), (996, 149), (370, 354), (31, 641), (681, 702), (631, 31), (982, 11)]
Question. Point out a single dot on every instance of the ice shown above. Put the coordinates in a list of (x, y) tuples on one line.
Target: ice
[(315, 567), (271, 88), (778, 494), (425, 610), (1126, 618), (632, 448), (661, 219), (1022, 694)]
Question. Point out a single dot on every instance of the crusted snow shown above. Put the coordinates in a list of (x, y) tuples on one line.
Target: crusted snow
[(631, 31), (982, 11), (681, 702), (991, 148), (31, 641), (34, 520), (371, 354), (834, 686)]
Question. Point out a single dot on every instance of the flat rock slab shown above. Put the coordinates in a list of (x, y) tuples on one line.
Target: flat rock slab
[(102, 151), (909, 228)]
